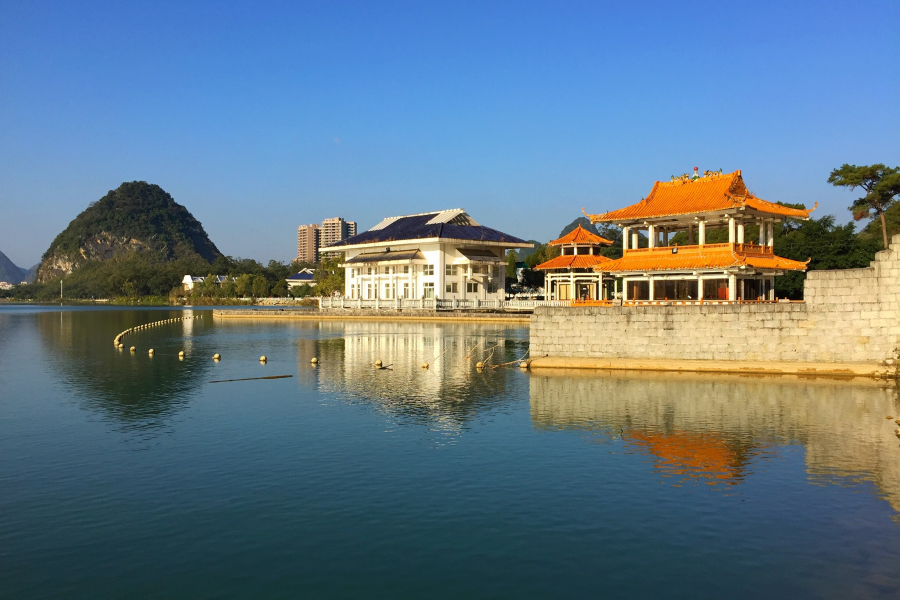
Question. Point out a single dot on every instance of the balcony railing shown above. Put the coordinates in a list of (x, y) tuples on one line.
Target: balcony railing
[(436, 304)]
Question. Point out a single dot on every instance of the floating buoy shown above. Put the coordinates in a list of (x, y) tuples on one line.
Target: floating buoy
[(217, 356), (181, 354), (523, 365), (378, 363), (263, 358), (479, 365), (314, 360), (120, 346), (133, 348), (424, 365), (150, 351)]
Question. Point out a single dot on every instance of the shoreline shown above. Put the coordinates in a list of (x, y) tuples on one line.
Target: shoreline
[(371, 315), (739, 367)]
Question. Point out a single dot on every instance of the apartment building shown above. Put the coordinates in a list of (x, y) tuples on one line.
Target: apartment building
[(308, 240)]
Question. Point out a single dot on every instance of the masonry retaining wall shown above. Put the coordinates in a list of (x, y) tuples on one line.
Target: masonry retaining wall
[(849, 315)]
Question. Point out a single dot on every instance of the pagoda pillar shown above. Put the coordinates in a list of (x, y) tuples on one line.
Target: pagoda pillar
[(652, 285), (731, 232), (651, 234), (762, 232), (732, 288), (691, 234), (634, 239), (771, 233), (699, 287), (740, 232), (624, 239), (702, 232)]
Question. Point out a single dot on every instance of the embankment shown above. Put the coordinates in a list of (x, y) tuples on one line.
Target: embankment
[(372, 315), (849, 325)]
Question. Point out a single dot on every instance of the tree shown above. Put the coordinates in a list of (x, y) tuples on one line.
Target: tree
[(511, 258), (260, 286), (280, 289), (209, 287), (243, 285), (881, 184)]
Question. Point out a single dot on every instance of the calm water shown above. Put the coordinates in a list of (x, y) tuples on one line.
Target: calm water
[(124, 476)]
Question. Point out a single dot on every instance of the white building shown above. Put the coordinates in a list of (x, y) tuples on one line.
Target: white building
[(189, 281), (302, 277), (443, 254)]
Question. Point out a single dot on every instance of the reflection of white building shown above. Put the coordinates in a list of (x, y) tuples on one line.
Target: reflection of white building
[(444, 255)]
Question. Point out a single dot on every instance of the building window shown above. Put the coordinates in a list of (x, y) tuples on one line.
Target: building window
[(428, 270), (491, 288), (429, 290), (471, 287), (451, 270), (452, 288), (497, 272), (369, 295), (405, 269), (406, 289), (368, 270)]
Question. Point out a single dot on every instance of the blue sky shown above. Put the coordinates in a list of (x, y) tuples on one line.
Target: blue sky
[(260, 116)]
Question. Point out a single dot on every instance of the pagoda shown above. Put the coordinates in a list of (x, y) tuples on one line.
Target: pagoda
[(737, 271), (572, 274)]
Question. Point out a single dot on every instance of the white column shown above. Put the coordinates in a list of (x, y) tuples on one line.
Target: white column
[(691, 234), (771, 233), (732, 288), (615, 287), (624, 239), (651, 234), (731, 232), (651, 288), (762, 232), (699, 288), (772, 288), (634, 240), (740, 232), (624, 289), (572, 295), (702, 232)]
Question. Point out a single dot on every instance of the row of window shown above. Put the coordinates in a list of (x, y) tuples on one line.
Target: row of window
[(449, 270), (428, 290)]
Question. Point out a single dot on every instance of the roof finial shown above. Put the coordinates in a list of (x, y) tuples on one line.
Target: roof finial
[(696, 174)]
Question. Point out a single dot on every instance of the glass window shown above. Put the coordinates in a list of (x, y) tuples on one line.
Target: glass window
[(452, 288), (406, 289), (428, 270), (451, 270), (368, 270), (492, 288), (405, 269), (429, 290), (472, 287)]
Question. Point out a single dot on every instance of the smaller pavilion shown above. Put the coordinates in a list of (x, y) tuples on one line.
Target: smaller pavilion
[(571, 275)]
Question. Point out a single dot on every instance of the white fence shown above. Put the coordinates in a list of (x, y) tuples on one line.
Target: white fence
[(436, 304)]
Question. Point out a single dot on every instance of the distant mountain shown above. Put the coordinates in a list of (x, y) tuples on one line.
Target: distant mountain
[(137, 217), (30, 273), (9, 272)]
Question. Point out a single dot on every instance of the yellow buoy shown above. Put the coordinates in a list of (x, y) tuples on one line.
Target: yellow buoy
[(181, 354), (263, 358), (378, 363), (314, 360), (425, 365), (479, 365), (217, 356), (133, 348), (523, 365), (150, 351)]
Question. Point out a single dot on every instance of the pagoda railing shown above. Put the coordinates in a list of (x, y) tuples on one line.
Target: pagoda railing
[(697, 249)]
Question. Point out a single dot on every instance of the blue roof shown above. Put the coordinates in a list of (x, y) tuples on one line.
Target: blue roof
[(301, 277), (417, 227)]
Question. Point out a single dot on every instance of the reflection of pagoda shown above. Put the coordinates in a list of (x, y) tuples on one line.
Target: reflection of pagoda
[(714, 430), (709, 456)]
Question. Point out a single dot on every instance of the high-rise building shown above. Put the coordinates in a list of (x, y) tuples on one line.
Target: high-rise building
[(308, 239), (335, 230)]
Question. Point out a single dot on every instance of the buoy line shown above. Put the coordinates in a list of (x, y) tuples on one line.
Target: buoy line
[(117, 341)]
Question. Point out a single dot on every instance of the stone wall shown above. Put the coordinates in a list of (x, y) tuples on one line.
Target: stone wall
[(851, 315)]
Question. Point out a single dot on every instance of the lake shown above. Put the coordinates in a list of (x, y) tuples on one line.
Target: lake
[(129, 476)]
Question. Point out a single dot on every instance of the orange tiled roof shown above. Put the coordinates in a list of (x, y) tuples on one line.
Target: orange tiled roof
[(581, 236), (702, 456), (712, 256), (573, 261), (706, 194)]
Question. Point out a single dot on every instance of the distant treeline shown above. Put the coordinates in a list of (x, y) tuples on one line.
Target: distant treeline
[(143, 275)]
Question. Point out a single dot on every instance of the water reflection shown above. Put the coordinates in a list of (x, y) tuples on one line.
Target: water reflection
[(137, 391), (715, 430), (447, 394)]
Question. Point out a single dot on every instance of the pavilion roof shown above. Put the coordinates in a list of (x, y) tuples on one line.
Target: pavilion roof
[(580, 237), (712, 256), (573, 261), (685, 196)]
